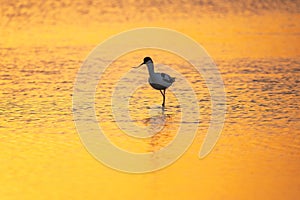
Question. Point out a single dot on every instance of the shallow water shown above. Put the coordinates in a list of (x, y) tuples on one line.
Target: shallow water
[(257, 155)]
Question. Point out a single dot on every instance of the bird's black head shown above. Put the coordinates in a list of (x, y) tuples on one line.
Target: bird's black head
[(146, 59)]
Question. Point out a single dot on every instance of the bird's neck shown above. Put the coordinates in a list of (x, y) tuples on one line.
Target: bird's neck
[(150, 67)]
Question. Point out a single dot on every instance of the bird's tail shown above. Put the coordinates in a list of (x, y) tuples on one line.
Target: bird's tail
[(173, 79)]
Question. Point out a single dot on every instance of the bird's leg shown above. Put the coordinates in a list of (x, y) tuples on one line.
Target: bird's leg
[(163, 94), (164, 97)]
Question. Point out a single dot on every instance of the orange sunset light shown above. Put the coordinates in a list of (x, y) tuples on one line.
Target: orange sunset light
[(255, 46)]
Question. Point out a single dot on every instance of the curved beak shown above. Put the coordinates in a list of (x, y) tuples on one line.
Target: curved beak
[(139, 65)]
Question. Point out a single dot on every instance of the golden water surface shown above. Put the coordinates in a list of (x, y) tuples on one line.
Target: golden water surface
[(255, 45)]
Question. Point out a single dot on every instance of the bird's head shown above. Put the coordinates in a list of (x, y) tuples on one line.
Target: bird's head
[(146, 60)]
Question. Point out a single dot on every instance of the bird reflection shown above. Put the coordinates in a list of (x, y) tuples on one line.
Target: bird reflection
[(159, 123)]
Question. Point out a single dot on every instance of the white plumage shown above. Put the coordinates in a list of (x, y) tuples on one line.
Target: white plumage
[(159, 81)]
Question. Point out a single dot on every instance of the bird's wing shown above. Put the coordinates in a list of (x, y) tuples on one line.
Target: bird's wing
[(167, 78)]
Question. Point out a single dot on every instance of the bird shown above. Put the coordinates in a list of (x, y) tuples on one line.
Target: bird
[(158, 81)]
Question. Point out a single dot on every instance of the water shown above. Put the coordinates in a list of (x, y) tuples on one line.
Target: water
[(257, 155)]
